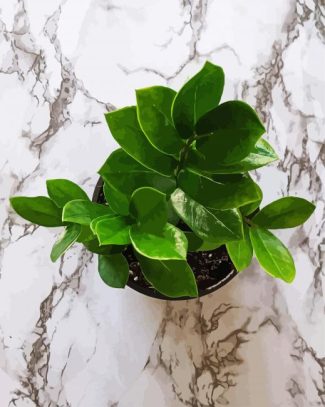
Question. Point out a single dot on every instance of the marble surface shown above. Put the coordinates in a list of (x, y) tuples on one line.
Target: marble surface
[(68, 340)]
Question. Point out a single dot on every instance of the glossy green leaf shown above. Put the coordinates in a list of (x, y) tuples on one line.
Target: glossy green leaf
[(123, 175), (198, 96), (93, 223), (261, 154), (149, 207), (171, 278), (228, 133), (272, 255), (241, 251), (287, 212), (113, 230), (195, 244), (219, 192), (94, 247), (249, 208), (40, 210), (218, 226), (83, 212), (126, 130), (62, 191), (86, 234), (65, 241), (170, 244), (113, 270), (154, 114)]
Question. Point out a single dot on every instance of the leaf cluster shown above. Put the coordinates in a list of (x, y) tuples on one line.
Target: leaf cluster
[(182, 156)]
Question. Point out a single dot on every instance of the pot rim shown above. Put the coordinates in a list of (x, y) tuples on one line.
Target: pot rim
[(151, 292)]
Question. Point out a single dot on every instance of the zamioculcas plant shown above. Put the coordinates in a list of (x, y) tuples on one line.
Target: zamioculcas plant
[(176, 194)]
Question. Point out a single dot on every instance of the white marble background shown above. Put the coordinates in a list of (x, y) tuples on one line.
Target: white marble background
[(68, 340)]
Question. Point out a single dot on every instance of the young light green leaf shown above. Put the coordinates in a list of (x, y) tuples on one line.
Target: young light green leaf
[(249, 208), (123, 175), (208, 224), (287, 212), (126, 130), (154, 114), (62, 191), (241, 251), (219, 191), (272, 255), (113, 230), (195, 244), (40, 210), (228, 133), (170, 244), (93, 223), (113, 270), (198, 96), (83, 212), (261, 154), (149, 207), (65, 241), (173, 278)]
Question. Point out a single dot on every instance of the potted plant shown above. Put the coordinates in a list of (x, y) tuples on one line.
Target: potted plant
[(175, 213)]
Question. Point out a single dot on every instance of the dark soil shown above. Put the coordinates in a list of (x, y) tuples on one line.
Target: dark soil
[(209, 267)]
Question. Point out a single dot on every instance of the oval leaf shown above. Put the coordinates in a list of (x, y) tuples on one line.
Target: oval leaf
[(198, 96), (251, 207), (195, 244), (40, 210), (94, 247), (83, 212), (272, 255), (170, 244), (154, 114), (149, 207), (62, 191), (286, 212), (113, 270), (171, 278), (113, 231), (123, 175), (228, 133), (211, 225), (219, 192), (126, 130), (261, 154), (241, 251), (65, 241)]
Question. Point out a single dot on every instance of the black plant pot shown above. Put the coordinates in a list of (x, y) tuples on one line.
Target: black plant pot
[(150, 291)]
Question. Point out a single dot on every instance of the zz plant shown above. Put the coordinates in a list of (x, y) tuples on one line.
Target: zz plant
[(185, 157)]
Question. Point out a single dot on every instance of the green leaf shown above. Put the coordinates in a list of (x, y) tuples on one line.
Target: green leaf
[(272, 255), (93, 223), (198, 96), (218, 226), (286, 212), (228, 133), (83, 212), (154, 114), (249, 208), (195, 244), (113, 230), (126, 130), (261, 154), (94, 247), (123, 175), (40, 210), (86, 234), (65, 241), (219, 192), (149, 207), (62, 191), (241, 251), (113, 270), (170, 244), (172, 278)]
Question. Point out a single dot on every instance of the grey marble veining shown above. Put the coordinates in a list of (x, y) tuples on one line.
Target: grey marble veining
[(68, 340)]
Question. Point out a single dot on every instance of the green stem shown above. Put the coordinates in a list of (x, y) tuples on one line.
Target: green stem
[(184, 153)]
